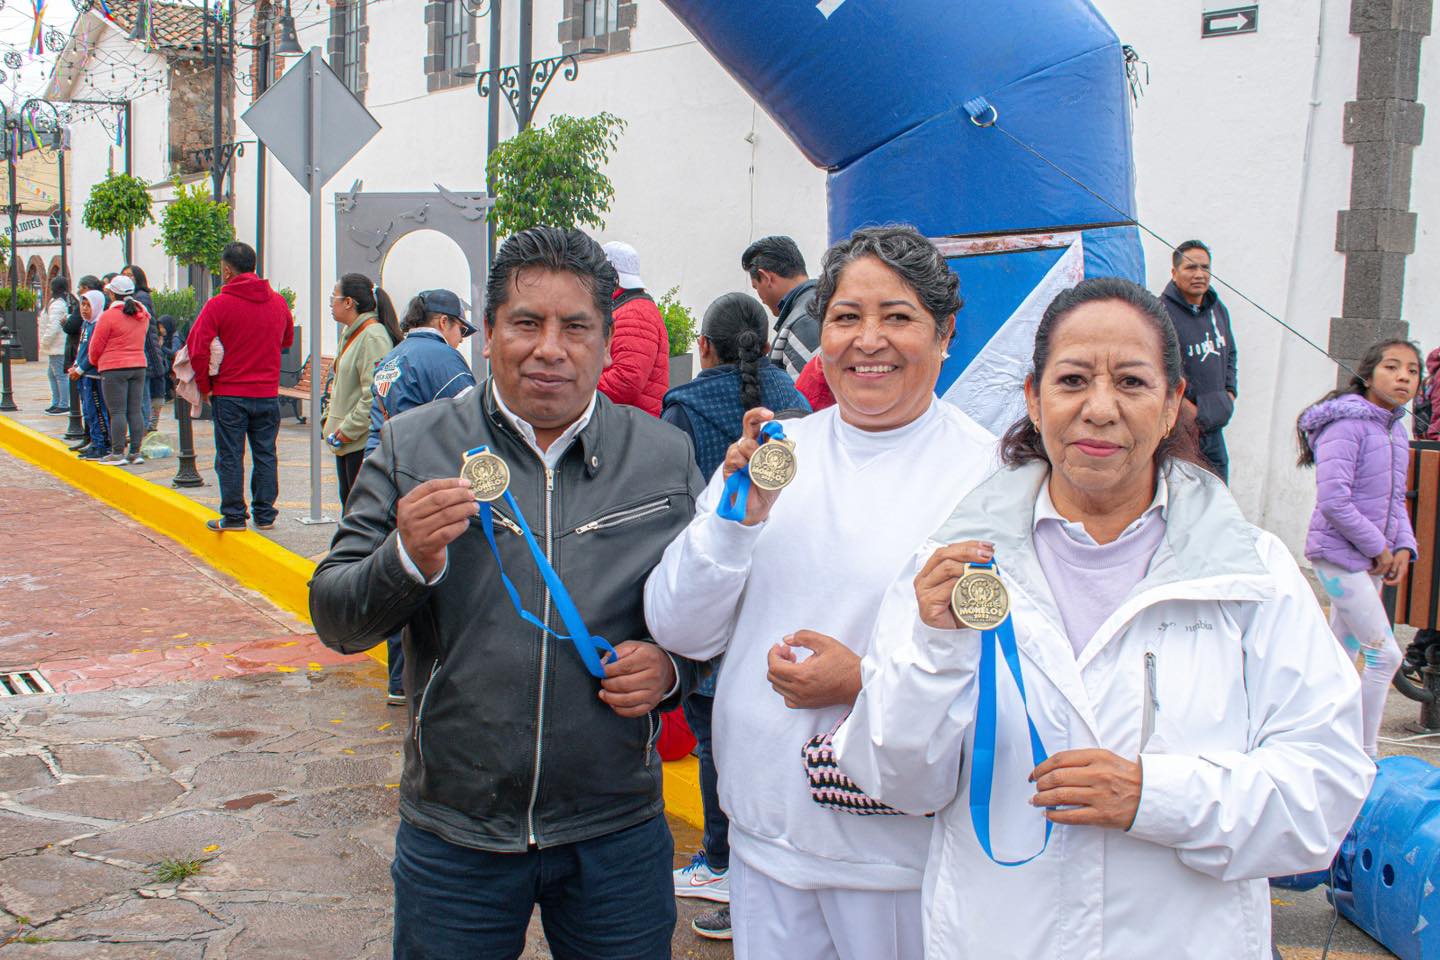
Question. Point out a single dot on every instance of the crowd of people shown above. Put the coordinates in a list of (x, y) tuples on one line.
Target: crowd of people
[(954, 695)]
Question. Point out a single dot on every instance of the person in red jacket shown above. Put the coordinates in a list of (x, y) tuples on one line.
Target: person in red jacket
[(117, 350), (812, 384), (254, 326), (639, 370)]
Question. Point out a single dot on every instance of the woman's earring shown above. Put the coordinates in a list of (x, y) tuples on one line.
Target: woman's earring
[(944, 354)]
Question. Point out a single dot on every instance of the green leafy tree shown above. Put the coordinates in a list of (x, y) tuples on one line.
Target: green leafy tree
[(116, 204), (553, 175), (194, 229), (680, 323)]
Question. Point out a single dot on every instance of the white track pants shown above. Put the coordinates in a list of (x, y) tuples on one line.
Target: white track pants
[(1357, 618), (774, 922)]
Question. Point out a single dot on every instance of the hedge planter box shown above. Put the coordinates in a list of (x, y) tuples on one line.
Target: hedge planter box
[(26, 327)]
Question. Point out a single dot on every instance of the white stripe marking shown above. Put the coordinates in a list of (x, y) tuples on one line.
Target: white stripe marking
[(827, 7)]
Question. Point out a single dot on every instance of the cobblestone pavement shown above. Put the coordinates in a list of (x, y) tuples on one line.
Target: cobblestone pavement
[(211, 782)]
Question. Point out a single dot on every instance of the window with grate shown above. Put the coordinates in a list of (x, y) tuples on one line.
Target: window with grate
[(597, 27), (348, 34), (455, 34), (599, 17)]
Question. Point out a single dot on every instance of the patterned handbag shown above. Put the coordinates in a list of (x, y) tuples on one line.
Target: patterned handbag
[(829, 787)]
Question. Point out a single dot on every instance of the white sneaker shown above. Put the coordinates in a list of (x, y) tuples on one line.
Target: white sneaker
[(697, 881)]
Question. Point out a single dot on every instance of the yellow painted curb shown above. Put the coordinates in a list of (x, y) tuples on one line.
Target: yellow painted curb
[(254, 560), (682, 791), (251, 558)]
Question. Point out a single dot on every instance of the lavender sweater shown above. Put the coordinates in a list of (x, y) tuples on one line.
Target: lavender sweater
[(1362, 454)]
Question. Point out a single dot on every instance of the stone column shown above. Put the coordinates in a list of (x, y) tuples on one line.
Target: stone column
[(1384, 124)]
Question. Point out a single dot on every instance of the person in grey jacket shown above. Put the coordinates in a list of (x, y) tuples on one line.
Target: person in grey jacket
[(526, 779), (777, 274)]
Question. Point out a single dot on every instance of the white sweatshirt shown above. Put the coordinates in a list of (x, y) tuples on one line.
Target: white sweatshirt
[(858, 508)]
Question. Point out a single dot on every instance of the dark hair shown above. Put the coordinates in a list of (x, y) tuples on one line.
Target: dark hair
[(1359, 383), (168, 325), (1185, 248), (556, 250), (370, 298), (416, 316), (904, 250), (1022, 442), (105, 288), (778, 255), (59, 286), (735, 327), (239, 256), (88, 282), (138, 276)]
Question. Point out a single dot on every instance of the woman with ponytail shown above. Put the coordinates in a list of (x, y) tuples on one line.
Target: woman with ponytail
[(117, 350), (370, 331), (735, 376)]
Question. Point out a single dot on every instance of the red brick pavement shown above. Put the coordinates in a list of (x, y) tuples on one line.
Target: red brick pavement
[(97, 601)]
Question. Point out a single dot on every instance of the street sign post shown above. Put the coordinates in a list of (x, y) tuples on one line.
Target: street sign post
[(1228, 23), (312, 124)]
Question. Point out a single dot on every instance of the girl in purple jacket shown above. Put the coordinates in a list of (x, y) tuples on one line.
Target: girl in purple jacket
[(1360, 534)]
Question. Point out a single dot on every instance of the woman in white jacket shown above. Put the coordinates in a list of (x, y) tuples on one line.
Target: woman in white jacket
[(1202, 724), (804, 572), (52, 345)]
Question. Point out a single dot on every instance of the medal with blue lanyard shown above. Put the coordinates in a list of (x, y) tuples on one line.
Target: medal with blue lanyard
[(489, 478), (772, 466), (980, 601)]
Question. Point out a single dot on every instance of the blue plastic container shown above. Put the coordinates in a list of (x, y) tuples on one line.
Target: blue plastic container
[(1388, 868)]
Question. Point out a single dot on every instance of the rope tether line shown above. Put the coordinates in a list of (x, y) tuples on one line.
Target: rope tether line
[(979, 108)]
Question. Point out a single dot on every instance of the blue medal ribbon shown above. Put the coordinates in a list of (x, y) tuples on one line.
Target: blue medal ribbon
[(589, 647), (982, 767), (736, 495)]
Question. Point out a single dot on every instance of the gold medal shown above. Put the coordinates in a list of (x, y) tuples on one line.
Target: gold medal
[(487, 475), (979, 599), (772, 466)]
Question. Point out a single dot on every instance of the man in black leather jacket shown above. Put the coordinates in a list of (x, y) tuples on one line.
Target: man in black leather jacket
[(527, 780)]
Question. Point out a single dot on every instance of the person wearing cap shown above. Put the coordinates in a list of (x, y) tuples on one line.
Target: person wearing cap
[(423, 367), (639, 370)]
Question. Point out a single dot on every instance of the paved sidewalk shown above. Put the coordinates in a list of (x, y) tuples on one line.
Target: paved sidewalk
[(32, 396), (211, 781)]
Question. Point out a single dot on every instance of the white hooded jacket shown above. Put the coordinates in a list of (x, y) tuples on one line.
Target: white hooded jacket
[(1218, 672)]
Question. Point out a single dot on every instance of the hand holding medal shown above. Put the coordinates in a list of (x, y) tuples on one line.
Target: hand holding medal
[(757, 467), (941, 578)]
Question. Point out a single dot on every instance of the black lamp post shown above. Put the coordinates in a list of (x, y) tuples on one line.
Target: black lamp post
[(10, 333)]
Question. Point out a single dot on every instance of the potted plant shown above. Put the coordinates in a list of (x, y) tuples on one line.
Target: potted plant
[(118, 204), (181, 304), (25, 326), (554, 174), (682, 328), (195, 229)]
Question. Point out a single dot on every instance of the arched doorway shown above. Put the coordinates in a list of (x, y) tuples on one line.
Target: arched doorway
[(35, 279), (425, 260)]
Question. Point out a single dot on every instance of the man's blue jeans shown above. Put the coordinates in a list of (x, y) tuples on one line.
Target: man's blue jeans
[(236, 420), (611, 898), (698, 709)]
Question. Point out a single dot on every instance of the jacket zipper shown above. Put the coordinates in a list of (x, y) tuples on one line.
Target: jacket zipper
[(1152, 701), (505, 522), (624, 516), (420, 712), (1390, 500), (649, 736), (544, 661)]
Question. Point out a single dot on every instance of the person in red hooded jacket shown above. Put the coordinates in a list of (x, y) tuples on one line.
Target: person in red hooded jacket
[(254, 326), (639, 370)]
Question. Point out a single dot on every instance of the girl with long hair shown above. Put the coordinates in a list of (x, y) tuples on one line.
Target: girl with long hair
[(370, 331), (1360, 534)]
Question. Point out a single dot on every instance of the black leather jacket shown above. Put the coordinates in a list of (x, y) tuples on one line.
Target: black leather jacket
[(509, 744)]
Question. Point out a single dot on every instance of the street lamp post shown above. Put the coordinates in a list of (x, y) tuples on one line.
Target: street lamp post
[(11, 332)]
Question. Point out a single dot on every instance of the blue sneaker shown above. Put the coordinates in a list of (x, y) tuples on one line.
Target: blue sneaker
[(698, 881)]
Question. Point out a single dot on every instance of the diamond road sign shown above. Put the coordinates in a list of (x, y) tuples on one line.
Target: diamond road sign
[(281, 119), (1226, 23)]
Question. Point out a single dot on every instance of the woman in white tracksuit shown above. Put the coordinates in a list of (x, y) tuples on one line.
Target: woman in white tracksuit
[(1202, 725)]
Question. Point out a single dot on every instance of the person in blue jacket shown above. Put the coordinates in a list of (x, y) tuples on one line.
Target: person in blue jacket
[(424, 366)]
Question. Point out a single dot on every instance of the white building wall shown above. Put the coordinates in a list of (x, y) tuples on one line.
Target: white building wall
[(1229, 146)]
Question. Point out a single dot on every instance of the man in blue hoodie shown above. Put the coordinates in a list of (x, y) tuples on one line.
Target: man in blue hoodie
[(1207, 348)]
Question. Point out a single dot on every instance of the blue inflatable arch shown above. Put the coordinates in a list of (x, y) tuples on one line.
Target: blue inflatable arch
[(874, 90)]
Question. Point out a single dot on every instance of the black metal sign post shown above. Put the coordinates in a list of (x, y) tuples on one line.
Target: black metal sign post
[(1231, 22)]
